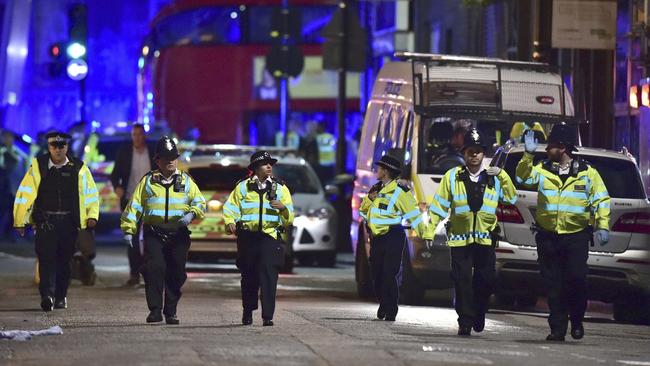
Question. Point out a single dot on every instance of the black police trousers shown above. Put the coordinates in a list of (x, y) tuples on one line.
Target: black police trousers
[(258, 262), (563, 266), (55, 245), (474, 275), (164, 270), (386, 268)]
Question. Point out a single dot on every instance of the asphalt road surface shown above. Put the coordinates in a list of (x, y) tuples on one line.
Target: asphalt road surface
[(319, 321)]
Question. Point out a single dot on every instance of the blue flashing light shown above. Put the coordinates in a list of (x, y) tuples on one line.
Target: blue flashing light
[(121, 124), (149, 96), (26, 138), (145, 119), (233, 15), (146, 126), (95, 124), (77, 69), (141, 63), (150, 105), (76, 50)]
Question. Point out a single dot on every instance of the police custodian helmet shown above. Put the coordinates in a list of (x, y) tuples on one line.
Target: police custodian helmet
[(562, 133), (261, 157), (473, 137), (166, 149), (391, 163)]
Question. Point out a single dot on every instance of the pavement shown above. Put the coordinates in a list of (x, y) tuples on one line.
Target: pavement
[(319, 321)]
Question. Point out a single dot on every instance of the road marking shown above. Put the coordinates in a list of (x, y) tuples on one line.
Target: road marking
[(639, 363), (450, 349)]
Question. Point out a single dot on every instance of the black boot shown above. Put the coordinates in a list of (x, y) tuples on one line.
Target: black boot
[(555, 337), (155, 316), (47, 303), (172, 320), (61, 303), (464, 330), (267, 322), (247, 317), (577, 331), (381, 314), (479, 323)]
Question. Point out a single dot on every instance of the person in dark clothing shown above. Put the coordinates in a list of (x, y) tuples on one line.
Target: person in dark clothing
[(133, 161), (59, 197)]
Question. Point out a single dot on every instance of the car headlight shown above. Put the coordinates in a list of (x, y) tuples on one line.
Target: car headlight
[(320, 213)]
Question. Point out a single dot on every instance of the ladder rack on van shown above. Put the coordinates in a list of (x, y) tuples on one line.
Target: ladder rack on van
[(488, 88)]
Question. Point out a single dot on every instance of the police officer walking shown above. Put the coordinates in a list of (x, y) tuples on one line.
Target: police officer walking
[(383, 208), (166, 200), (472, 194), (568, 191), (58, 197), (258, 210)]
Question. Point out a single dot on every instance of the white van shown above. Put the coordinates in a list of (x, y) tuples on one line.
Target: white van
[(420, 109)]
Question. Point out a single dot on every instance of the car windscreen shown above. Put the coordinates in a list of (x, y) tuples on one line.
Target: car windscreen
[(299, 178), (442, 141), (620, 176), (217, 177)]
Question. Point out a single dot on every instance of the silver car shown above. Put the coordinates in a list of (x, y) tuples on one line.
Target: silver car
[(619, 272), (313, 236)]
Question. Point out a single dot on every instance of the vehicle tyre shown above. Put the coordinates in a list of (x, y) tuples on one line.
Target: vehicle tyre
[(504, 299), (526, 300), (327, 259), (362, 269), (288, 261), (305, 259), (411, 291), (634, 311)]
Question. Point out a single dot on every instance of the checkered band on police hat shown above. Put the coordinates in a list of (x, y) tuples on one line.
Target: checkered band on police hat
[(390, 162), (259, 157)]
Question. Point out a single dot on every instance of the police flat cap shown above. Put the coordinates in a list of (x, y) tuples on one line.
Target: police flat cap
[(57, 136)]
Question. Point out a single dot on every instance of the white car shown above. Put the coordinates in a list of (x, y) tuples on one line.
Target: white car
[(619, 272), (216, 170)]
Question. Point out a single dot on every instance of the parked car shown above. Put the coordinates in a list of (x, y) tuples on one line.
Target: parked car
[(216, 170), (619, 272)]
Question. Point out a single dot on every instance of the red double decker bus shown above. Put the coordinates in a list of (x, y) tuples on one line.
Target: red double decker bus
[(203, 66)]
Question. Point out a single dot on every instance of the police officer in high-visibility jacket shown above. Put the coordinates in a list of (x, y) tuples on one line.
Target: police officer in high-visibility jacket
[(570, 193), (384, 207), (472, 194), (166, 200), (58, 197), (258, 211)]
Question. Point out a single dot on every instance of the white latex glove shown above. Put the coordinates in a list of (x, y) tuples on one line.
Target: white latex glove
[(493, 170)]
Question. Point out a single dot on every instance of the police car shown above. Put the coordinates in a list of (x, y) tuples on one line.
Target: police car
[(216, 170), (619, 272)]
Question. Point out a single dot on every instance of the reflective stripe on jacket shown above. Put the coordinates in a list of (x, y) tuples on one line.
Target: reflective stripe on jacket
[(467, 227), (28, 190), (392, 204), (566, 207), (158, 205), (246, 206)]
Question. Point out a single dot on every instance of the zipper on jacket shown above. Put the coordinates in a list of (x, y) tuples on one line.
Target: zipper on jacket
[(261, 194), (167, 203), (474, 226)]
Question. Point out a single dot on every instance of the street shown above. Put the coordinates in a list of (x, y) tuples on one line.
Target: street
[(319, 321)]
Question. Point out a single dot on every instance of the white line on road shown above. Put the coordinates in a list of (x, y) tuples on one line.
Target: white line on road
[(639, 363)]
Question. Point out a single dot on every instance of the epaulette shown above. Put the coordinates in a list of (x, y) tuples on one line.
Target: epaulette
[(403, 186), (278, 180)]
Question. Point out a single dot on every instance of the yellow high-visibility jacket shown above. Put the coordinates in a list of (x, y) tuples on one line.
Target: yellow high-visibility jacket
[(28, 191), (160, 205), (467, 227), (253, 210), (566, 207), (326, 149), (393, 203)]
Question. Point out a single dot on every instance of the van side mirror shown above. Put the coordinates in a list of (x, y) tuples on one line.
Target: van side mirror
[(332, 190)]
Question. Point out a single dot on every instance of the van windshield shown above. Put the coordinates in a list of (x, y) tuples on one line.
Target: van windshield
[(442, 139)]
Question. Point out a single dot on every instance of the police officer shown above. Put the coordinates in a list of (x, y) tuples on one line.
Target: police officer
[(258, 210), (472, 194), (166, 200), (383, 208), (568, 191), (58, 197)]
